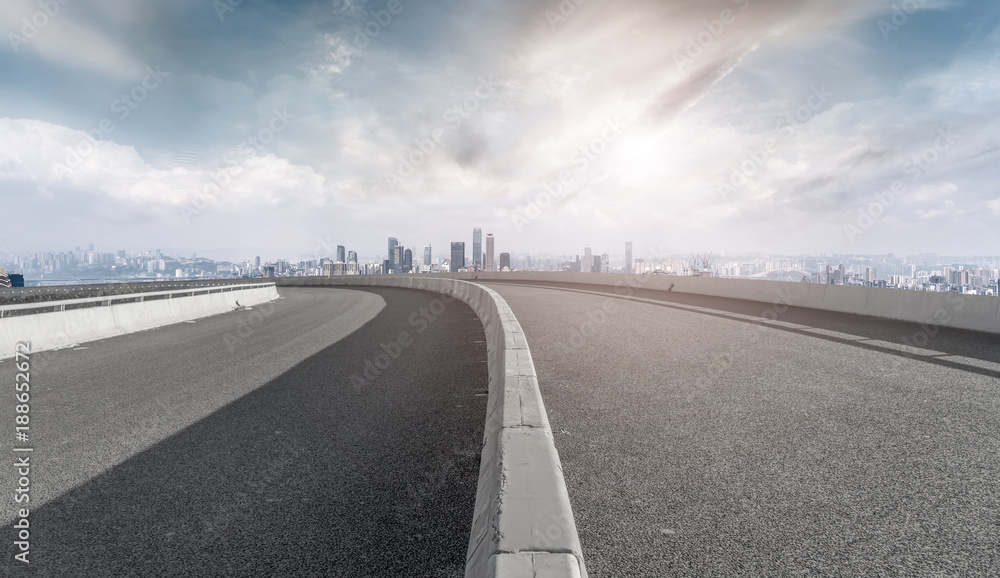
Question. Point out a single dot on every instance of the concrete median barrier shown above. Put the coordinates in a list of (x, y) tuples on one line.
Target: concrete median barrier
[(56, 329), (973, 312), (522, 524)]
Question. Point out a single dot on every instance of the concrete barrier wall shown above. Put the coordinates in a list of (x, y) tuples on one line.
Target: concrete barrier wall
[(975, 312), (523, 524), (63, 328)]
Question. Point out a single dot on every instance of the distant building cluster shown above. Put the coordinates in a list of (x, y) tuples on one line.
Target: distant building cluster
[(924, 272)]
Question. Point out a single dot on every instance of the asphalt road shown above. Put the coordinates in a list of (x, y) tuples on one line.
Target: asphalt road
[(240, 445), (698, 440)]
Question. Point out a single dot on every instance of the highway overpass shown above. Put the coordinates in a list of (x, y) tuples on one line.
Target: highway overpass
[(697, 435)]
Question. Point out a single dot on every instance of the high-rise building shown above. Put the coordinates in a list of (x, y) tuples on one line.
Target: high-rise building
[(491, 264), (588, 260), (256, 263), (397, 259), (477, 248), (505, 261), (393, 243), (352, 256), (341, 254), (628, 258), (407, 261), (427, 256), (457, 256)]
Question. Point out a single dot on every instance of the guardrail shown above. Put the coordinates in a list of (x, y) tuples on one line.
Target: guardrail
[(13, 295), (107, 300)]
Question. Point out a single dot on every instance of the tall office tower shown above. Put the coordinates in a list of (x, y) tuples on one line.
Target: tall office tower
[(407, 261), (477, 248), (427, 256), (397, 259), (505, 261), (588, 260), (628, 258), (352, 256), (491, 264), (256, 263), (870, 275), (393, 243), (341, 254), (596, 267), (457, 256)]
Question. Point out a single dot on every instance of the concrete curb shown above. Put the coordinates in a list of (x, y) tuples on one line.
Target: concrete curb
[(523, 524), (53, 330)]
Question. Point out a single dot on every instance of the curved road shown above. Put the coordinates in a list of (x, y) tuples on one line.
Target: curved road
[(240, 445), (698, 439)]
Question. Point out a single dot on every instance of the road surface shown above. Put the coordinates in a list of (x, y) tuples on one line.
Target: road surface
[(240, 445), (698, 441)]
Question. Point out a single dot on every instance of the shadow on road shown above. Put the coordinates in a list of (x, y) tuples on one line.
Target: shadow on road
[(305, 476), (936, 343)]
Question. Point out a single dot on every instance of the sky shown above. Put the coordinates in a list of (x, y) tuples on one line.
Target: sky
[(282, 129)]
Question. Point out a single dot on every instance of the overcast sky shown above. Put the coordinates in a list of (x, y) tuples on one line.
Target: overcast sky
[(274, 128)]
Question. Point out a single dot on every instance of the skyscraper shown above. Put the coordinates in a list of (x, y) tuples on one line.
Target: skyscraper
[(427, 256), (397, 259), (341, 254), (491, 264), (393, 243), (588, 260), (407, 261), (505, 261), (628, 258), (352, 257), (477, 248), (457, 256)]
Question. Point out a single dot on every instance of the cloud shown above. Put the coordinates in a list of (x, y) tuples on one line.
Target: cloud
[(113, 175), (57, 36), (698, 87)]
